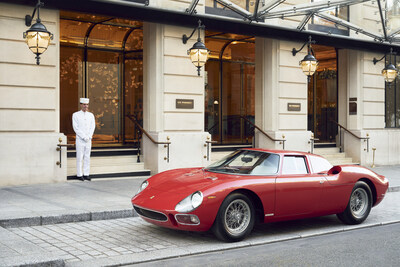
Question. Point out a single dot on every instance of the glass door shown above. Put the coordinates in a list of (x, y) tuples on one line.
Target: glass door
[(101, 58), (224, 109), (237, 101), (133, 96), (322, 96), (103, 83)]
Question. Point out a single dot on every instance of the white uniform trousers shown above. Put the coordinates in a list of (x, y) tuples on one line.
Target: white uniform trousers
[(83, 156)]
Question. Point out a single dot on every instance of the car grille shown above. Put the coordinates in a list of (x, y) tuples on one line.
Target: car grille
[(154, 215)]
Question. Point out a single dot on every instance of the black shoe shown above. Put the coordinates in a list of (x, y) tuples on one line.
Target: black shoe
[(86, 177), (80, 178)]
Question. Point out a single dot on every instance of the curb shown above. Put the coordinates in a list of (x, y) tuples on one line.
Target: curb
[(394, 189), (67, 218), (26, 261)]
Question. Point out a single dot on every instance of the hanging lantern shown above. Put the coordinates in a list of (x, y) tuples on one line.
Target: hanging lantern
[(198, 54), (309, 65), (37, 37), (389, 73)]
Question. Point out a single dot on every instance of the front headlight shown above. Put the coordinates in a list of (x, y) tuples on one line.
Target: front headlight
[(190, 203), (142, 187)]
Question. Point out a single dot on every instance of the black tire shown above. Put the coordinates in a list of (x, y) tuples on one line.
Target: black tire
[(359, 205), (235, 218)]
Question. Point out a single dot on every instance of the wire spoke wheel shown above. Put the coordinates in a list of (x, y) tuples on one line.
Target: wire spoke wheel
[(359, 205), (359, 202), (237, 217)]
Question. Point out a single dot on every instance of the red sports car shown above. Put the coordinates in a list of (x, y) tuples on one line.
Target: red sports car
[(256, 185)]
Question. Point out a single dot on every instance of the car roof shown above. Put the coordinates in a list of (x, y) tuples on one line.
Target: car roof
[(281, 152)]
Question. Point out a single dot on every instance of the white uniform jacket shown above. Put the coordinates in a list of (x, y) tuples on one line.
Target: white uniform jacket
[(84, 125)]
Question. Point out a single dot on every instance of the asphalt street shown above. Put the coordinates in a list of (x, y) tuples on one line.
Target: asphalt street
[(364, 247)]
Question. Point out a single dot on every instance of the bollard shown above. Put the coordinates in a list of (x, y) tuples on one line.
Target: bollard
[(373, 157)]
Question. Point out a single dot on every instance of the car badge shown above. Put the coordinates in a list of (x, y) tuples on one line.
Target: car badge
[(151, 197), (213, 178)]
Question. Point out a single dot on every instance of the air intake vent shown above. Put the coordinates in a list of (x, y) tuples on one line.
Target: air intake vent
[(153, 215)]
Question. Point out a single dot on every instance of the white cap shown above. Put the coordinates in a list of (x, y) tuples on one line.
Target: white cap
[(84, 100)]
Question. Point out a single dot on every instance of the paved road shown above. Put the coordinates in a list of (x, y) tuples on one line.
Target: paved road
[(131, 240), (377, 246)]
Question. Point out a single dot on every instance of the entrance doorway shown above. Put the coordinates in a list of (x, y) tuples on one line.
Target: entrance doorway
[(230, 87), (323, 96), (101, 58)]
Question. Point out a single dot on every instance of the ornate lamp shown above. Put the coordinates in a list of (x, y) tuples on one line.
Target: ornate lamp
[(309, 64), (390, 71), (198, 53), (37, 37)]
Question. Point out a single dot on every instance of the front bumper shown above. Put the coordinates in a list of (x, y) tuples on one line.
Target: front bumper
[(171, 219)]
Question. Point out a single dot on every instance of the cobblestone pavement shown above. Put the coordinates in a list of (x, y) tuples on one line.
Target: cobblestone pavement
[(132, 240)]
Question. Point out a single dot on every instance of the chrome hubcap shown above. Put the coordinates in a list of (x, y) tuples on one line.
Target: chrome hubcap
[(237, 217), (359, 202)]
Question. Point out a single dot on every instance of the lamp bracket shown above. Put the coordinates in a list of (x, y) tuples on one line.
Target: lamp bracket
[(375, 60), (28, 18), (308, 43), (185, 38)]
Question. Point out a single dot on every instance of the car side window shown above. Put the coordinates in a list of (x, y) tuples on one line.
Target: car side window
[(268, 166), (294, 165)]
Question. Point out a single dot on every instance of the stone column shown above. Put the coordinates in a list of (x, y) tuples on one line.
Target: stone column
[(360, 85), (29, 102), (169, 76), (280, 82)]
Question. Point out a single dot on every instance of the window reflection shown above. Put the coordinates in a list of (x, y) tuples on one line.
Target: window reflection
[(320, 24), (101, 58), (230, 87), (392, 98), (322, 95)]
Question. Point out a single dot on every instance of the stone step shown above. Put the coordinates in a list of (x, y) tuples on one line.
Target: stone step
[(326, 150), (334, 156), (109, 160), (110, 167)]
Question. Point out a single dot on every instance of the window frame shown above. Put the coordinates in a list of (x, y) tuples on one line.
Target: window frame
[(394, 96), (306, 163)]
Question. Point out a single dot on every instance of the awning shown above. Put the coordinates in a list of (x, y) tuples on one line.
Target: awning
[(138, 10)]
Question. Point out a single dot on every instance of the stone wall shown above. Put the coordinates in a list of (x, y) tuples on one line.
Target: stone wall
[(29, 102)]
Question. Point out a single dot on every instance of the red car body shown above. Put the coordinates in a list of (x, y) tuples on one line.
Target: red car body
[(276, 197)]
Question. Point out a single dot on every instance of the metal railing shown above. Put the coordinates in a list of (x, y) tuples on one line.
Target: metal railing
[(341, 137), (166, 144), (312, 142), (281, 141), (207, 145), (59, 147)]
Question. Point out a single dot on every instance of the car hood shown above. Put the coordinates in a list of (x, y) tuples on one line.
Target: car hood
[(167, 189), (180, 180)]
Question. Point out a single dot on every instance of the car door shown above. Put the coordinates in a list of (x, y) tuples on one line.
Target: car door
[(298, 191)]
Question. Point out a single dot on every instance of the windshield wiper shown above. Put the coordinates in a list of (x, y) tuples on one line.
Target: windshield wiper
[(231, 168)]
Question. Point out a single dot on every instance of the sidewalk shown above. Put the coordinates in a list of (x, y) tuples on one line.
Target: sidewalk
[(76, 201)]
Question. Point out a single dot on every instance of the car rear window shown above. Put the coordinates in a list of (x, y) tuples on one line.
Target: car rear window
[(294, 165), (320, 164)]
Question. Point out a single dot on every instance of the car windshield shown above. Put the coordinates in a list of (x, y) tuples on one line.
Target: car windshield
[(247, 162)]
